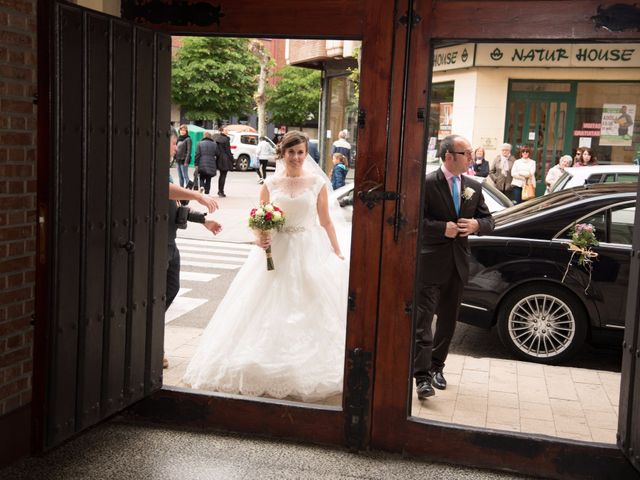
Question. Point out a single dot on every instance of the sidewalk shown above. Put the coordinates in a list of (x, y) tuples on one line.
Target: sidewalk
[(564, 402)]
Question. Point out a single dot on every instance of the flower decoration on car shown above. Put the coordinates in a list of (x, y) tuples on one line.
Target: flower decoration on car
[(467, 193), (583, 238)]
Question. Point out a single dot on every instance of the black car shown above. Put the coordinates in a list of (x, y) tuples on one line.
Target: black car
[(523, 280)]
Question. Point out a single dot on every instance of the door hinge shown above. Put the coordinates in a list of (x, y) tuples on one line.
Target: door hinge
[(351, 301), (357, 397), (420, 114)]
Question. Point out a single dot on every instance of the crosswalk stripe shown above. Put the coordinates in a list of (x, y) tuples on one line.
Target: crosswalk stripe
[(197, 276), (196, 248), (210, 243), (207, 256), (224, 266)]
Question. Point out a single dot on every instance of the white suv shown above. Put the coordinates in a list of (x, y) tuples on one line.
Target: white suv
[(579, 176), (244, 146)]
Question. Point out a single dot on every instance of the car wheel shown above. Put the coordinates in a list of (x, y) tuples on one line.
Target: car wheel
[(542, 323), (243, 163)]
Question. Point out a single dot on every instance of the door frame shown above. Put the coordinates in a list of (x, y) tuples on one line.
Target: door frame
[(348, 425), (392, 428)]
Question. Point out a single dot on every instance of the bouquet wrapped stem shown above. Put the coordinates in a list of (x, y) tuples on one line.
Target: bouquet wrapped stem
[(583, 238), (262, 220)]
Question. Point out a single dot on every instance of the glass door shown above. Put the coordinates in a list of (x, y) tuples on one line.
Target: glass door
[(540, 119), (539, 114)]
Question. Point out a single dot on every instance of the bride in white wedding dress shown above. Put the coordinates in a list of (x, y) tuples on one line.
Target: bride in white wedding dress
[(281, 333)]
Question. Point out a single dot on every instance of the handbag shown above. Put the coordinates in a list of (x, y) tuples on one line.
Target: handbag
[(528, 191), (196, 179)]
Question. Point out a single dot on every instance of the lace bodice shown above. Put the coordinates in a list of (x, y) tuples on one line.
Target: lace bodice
[(297, 197)]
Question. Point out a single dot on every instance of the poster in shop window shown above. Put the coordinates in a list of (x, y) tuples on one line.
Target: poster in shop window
[(617, 124)]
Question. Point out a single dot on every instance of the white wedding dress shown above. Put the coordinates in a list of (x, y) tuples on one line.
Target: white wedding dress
[(281, 333)]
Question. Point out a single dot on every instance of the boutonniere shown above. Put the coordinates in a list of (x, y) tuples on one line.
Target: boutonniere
[(467, 193)]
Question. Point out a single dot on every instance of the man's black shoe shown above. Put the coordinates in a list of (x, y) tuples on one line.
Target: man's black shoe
[(424, 390), (437, 380)]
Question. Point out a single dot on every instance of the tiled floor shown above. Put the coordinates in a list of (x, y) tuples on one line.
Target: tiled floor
[(557, 401), (517, 396)]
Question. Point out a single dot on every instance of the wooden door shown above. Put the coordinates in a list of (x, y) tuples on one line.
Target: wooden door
[(427, 22), (103, 193)]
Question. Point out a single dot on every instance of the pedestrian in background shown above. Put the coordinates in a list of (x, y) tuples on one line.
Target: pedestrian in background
[(182, 157), (577, 158), (587, 158), (480, 164), (500, 170), (264, 153), (339, 172), (342, 146), (225, 160), (556, 171), (523, 172), (206, 160)]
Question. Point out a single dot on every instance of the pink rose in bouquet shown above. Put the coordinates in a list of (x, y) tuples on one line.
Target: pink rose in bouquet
[(264, 218)]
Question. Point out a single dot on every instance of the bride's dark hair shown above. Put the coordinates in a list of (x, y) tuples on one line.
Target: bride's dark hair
[(291, 139)]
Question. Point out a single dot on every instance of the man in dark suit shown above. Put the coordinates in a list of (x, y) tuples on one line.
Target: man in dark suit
[(454, 208)]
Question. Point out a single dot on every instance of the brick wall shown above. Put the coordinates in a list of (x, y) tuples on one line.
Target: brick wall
[(17, 199)]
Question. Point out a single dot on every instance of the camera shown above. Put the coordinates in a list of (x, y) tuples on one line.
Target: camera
[(182, 216), (189, 186)]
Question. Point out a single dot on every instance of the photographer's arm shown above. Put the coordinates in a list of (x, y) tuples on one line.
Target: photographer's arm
[(178, 193)]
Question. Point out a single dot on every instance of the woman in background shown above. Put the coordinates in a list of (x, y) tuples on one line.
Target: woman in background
[(480, 164), (522, 172)]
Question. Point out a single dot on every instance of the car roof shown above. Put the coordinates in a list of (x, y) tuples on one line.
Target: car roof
[(588, 170), (562, 198)]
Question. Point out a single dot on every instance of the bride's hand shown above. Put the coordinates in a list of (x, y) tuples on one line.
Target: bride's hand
[(263, 239)]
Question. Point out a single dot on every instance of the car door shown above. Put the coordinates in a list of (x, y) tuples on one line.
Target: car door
[(611, 269)]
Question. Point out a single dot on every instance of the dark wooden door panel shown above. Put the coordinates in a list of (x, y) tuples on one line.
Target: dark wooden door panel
[(94, 191), (119, 181), (110, 146), (67, 208)]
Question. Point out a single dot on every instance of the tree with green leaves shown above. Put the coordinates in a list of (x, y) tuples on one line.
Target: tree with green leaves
[(214, 78), (296, 96)]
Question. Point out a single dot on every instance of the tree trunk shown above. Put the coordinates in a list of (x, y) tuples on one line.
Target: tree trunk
[(257, 48)]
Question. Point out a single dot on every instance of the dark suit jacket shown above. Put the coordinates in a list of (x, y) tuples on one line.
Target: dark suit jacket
[(439, 254)]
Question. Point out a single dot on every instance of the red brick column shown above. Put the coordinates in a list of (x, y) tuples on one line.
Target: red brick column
[(17, 199)]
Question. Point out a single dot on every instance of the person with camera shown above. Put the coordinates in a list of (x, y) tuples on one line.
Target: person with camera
[(179, 215)]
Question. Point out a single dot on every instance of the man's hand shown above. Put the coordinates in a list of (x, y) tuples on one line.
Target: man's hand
[(467, 226), (208, 202), (213, 226), (451, 230)]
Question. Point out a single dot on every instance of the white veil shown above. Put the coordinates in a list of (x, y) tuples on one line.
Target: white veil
[(342, 227)]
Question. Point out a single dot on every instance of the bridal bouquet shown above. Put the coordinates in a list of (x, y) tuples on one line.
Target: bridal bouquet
[(582, 239), (264, 218)]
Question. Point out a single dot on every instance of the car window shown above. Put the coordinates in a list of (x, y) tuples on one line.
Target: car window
[(627, 177), (621, 230), (610, 178), (249, 139), (599, 222), (562, 181), (593, 178)]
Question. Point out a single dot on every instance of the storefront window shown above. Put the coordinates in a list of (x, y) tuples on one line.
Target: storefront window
[(440, 116), (605, 117)]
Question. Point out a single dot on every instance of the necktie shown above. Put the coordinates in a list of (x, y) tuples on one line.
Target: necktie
[(456, 194)]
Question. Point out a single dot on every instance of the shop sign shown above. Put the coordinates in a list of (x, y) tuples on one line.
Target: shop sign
[(617, 124), (451, 58), (586, 133), (558, 55)]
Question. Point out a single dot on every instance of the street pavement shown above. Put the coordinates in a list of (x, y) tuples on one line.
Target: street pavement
[(487, 388)]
